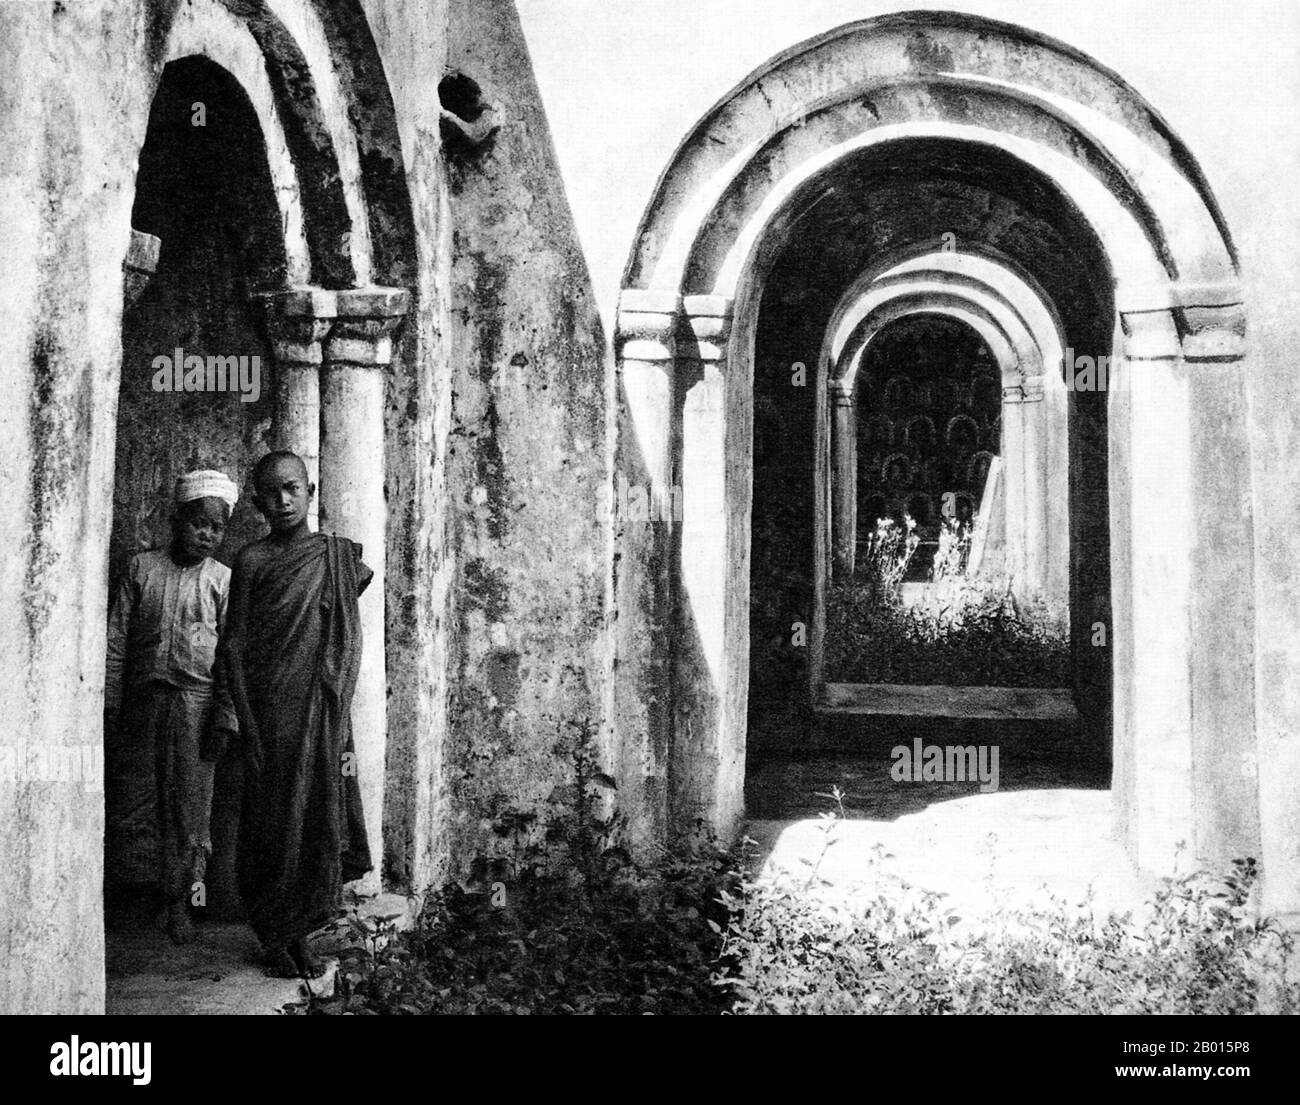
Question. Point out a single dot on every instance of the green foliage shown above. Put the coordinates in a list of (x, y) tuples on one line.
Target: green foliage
[(885, 556), (613, 939), (693, 934), (1199, 949), (559, 920), (963, 632)]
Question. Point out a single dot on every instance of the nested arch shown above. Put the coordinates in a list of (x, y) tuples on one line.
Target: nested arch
[(927, 74), (1008, 338), (898, 130), (974, 275), (305, 136), (277, 53), (1035, 447)]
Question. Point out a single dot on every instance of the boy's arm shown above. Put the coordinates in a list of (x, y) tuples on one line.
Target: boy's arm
[(364, 572), (224, 722), (119, 632), (230, 656)]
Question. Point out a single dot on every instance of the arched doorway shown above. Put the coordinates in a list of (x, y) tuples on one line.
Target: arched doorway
[(1058, 159), (206, 191), (276, 246)]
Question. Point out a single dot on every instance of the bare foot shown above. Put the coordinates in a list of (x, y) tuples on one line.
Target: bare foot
[(309, 964), (280, 964), (179, 926)]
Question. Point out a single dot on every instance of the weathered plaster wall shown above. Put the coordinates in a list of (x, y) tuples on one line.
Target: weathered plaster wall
[(527, 462), (73, 107), (1205, 68), (411, 40), (80, 80)]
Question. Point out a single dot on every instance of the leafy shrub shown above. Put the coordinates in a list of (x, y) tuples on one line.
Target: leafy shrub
[(692, 936), (1200, 949), (615, 939), (962, 631)]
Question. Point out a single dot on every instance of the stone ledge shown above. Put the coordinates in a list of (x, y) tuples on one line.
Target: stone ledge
[(918, 700)]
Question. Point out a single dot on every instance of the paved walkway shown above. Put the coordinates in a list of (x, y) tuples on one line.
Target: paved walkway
[(987, 854), (1046, 832), (220, 971)]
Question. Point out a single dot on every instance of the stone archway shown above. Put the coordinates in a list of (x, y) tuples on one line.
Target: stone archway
[(975, 96), (1019, 327), (327, 327), (85, 117)]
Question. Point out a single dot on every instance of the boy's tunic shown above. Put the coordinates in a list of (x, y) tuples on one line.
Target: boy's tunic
[(302, 834), (162, 639)]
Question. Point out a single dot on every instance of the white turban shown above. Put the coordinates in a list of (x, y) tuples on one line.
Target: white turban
[(206, 484)]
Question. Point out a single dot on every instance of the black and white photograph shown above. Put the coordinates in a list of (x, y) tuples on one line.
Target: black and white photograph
[(651, 507)]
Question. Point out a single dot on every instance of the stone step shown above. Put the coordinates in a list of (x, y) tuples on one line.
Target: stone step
[(932, 700)]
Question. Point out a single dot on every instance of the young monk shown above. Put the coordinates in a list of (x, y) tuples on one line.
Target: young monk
[(159, 690), (292, 648)]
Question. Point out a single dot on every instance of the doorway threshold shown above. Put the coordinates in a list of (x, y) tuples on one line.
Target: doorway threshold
[(938, 700)]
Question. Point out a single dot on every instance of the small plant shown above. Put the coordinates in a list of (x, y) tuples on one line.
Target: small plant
[(1200, 948), (886, 554), (953, 552), (958, 631)]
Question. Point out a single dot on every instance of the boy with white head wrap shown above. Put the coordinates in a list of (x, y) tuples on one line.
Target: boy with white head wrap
[(206, 484), (160, 698)]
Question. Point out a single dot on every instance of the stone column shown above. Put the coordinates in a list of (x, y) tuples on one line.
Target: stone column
[(1013, 474), (297, 321), (1240, 777), (1056, 457), (1033, 412), (710, 646), (355, 359), (641, 654), (1187, 763), (1152, 534), (844, 503)]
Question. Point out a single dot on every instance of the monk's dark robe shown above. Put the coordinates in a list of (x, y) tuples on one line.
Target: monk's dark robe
[(302, 834)]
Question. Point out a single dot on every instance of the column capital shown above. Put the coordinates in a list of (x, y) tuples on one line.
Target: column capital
[(1191, 332), (1150, 335), (708, 326), (646, 328), (140, 264), (297, 320), (298, 302), (659, 325), (1212, 333), (364, 324)]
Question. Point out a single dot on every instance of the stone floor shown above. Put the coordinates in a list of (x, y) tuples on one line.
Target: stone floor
[(220, 971), (1046, 832), (987, 854)]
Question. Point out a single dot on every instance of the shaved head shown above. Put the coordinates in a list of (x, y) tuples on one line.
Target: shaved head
[(275, 460)]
